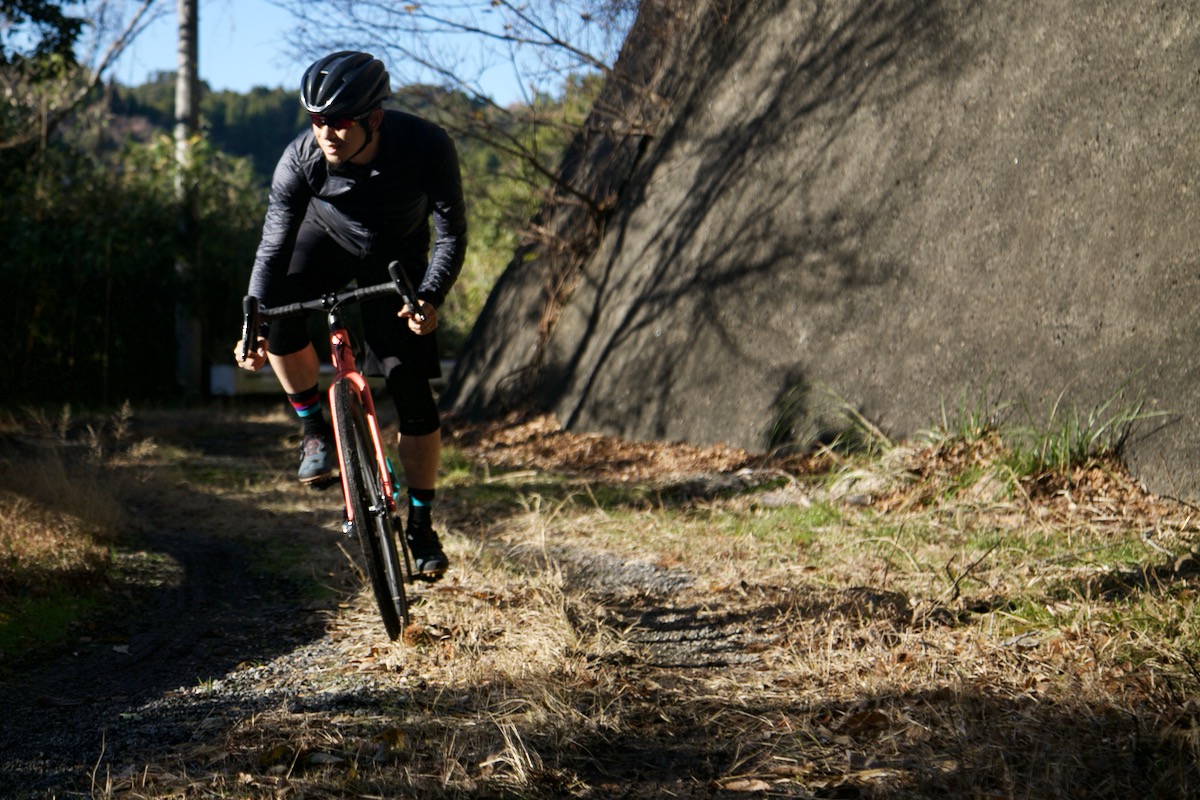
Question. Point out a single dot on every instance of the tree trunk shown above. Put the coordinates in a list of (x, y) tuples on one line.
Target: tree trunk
[(188, 335)]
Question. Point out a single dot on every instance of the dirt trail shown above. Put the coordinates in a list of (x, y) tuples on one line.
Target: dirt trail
[(190, 607), (202, 640), (620, 621), (81, 709)]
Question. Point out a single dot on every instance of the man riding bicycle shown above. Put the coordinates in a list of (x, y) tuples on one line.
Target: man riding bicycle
[(351, 194)]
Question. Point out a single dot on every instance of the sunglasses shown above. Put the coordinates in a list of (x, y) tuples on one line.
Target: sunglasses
[(336, 123)]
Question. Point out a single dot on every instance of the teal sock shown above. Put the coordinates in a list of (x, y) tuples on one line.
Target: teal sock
[(418, 498)]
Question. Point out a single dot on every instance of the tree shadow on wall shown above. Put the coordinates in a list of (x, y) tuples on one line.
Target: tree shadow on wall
[(748, 244)]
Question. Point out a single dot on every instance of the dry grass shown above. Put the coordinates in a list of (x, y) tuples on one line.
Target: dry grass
[(647, 621), (58, 517)]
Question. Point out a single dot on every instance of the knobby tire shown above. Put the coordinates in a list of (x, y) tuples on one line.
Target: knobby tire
[(372, 519)]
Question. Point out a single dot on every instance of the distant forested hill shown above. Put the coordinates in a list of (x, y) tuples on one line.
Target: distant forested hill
[(256, 125)]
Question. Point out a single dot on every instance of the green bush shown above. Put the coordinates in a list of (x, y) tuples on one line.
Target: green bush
[(92, 242)]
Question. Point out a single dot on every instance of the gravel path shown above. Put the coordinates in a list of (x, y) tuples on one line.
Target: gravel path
[(191, 608), (213, 668)]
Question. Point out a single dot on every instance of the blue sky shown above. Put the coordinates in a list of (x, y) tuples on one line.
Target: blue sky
[(242, 45)]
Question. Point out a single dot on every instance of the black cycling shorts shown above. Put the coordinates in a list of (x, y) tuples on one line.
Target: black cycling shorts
[(320, 265)]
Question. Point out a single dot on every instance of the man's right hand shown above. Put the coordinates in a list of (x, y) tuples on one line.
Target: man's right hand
[(255, 358)]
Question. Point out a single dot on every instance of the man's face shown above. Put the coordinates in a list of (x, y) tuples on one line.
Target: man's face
[(339, 138)]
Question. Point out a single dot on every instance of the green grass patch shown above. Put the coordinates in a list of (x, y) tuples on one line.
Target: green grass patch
[(35, 625), (816, 515), (291, 563), (217, 477), (790, 526)]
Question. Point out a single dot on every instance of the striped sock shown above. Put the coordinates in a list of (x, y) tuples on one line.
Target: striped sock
[(307, 405)]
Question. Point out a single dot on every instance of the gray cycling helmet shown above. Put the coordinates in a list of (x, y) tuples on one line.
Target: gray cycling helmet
[(344, 84)]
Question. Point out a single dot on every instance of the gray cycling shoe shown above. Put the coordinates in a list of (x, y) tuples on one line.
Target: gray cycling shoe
[(317, 460), (426, 549)]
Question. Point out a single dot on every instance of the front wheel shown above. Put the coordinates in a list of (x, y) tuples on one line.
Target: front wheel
[(368, 510)]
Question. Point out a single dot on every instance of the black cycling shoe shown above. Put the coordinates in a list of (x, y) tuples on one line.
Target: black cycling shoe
[(317, 460), (423, 543)]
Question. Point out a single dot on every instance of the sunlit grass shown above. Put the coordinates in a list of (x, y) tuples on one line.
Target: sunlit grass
[(791, 627), (57, 528)]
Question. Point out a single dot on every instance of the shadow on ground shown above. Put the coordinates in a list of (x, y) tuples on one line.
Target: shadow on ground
[(198, 589)]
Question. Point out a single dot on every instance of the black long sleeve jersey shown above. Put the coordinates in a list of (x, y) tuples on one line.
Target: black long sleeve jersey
[(381, 209)]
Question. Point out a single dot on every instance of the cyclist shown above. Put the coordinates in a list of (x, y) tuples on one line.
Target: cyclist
[(352, 193)]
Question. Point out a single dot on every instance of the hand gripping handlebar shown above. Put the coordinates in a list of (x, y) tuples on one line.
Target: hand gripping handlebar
[(254, 314)]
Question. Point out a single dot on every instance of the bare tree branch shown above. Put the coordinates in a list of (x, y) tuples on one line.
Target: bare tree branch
[(456, 43), (46, 103), (461, 45)]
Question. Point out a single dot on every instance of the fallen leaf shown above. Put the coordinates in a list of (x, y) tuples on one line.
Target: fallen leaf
[(746, 785), (864, 721), (279, 752), (394, 738), (416, 634)]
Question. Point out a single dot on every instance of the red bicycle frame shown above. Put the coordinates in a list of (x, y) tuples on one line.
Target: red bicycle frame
[(344, 366)]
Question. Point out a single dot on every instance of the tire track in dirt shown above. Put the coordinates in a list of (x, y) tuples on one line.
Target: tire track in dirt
[(190, 606)]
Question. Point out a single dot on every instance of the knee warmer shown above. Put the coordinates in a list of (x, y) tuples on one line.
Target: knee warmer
[(415, 406)]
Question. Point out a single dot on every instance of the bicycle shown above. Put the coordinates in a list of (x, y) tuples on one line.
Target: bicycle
[(368, 481)]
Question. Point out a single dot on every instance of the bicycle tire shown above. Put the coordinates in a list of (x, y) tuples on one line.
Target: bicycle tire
[(371, 517)]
